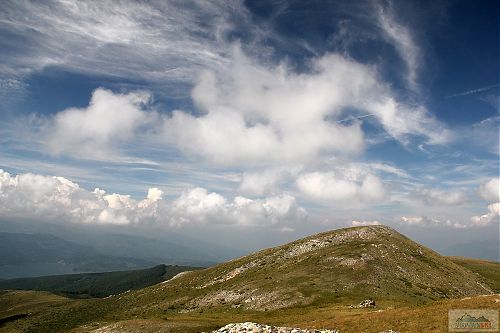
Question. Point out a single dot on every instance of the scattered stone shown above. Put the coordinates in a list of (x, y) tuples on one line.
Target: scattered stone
[(260, 328), (365, 304), (389, 331)]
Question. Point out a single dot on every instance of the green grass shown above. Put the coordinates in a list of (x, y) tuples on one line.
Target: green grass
[(488, 270)]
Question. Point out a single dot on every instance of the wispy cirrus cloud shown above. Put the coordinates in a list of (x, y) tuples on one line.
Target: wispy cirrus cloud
[(401, 37), (155, 41)]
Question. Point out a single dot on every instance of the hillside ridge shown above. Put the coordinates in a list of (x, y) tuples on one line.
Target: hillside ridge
[(339, 266)]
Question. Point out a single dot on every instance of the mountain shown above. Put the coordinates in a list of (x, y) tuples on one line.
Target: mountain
[(312, 281), (487, 249), (24, 255), (334, 267), (152, 245), (32, 248), (152, 249), (96, 284)]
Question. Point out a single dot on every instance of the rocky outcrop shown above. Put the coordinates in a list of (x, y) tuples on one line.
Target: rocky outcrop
[(367, 303), (259, 328)]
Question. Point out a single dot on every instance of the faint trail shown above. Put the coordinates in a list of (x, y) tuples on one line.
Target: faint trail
[(352, 118), (473, 91)]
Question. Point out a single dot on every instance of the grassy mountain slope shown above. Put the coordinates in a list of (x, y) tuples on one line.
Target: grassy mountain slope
[(488, 270), (96, 284), (333, 267), (304, 283)]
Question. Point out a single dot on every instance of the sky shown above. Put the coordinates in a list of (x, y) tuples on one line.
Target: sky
[(252, 122)]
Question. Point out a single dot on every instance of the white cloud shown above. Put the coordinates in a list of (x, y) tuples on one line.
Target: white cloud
[(419, 220), (285, 229), (159, 41), (389, 169), (330, 187), (197, 205), (30, 195), (493, 215), (355, 223), (266, 181), (403, 41), (484, 134), (94, 131), (490, 191), (439, 197), (424, 221), (265, 114)]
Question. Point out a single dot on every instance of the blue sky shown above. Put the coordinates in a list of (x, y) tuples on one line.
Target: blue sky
[(277, 117)]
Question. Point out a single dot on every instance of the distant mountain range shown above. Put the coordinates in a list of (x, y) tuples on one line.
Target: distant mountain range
[(488, 249), (96, 284), (24, 255), (39, 249)]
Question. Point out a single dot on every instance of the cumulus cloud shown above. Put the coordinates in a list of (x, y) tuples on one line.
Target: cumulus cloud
[(493, 215), (355, 223), (424, 221), (263, 114), (330, 187), (94, 131), (490, 191), (439, 197), (419, 220), (31, 195), (266, 181), (34, 195), (201, 206)]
